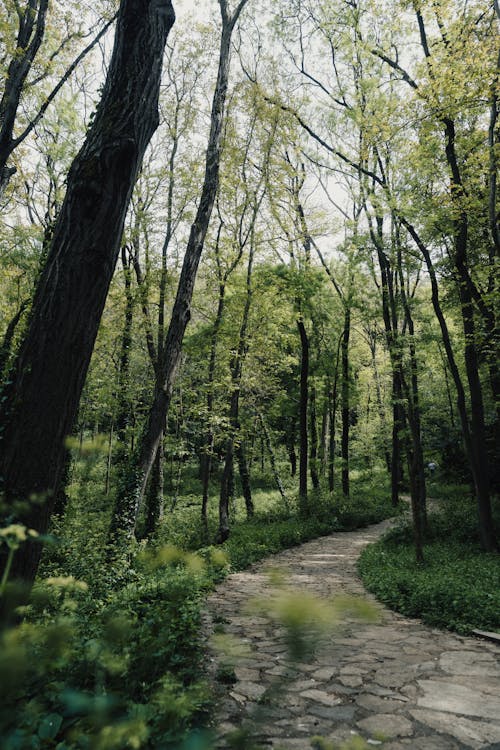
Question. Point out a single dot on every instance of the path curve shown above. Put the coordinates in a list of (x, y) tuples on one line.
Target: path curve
[(417, 686)]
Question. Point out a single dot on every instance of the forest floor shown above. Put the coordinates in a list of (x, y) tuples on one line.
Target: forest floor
[(393, 681)]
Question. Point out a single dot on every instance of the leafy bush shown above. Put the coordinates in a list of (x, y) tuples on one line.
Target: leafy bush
[(123, 675)]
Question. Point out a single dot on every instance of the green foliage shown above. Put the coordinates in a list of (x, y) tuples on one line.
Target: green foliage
[(117, 663), (122, 675), (457, 588)]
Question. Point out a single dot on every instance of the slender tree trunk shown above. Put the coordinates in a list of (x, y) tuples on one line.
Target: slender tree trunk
[(39, 408), (209, 438), (304, 386), (331, 450), (333, 398), (345, 400), (325, 426), (397, 431), (227, 487), (448, 391), (476, 452), (108, 460), (134, 485), (31, 31), (290, 440), (124, 406), (313, 455), (272, 458), (380, 405), (245, 479), (414, 418)]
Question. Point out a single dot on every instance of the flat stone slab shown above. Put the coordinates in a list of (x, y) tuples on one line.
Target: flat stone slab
[(458, 699), (474, 734), (469, 663), (386, 725), (488, 634), (320, 696)]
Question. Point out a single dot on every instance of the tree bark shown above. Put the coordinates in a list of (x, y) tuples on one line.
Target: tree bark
[(155, 497), (303, 401), (313, 455), (245, 479), (345, 400), (124, 406), (209, 438), (272, 458), (6, 347), (39, 408), (290, 442)]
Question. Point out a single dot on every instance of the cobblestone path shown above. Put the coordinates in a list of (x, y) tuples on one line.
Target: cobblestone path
[(397, 680)]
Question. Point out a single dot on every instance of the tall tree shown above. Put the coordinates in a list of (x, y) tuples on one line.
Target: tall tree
[(135, 481), (40, 402)]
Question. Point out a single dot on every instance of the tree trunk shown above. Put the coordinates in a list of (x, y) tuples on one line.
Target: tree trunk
[(325, 426), (134, 485), (476, 452), (272, 458), (39, 408), (124, 406), (313, 455), (237, 361), (345, 400), (290, 440), (303, 437), (333, 397), (155, 497), (245, 479), (29, 38), (209, 438)]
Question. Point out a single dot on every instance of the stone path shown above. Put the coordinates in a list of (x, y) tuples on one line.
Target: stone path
[(396, 680)]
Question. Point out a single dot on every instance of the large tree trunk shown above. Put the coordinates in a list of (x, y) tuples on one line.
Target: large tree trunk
[(134, 484), (39, 408)]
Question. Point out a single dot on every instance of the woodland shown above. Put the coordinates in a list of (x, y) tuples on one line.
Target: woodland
[(249, 275)]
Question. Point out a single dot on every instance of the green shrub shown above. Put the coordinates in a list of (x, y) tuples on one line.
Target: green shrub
[(458, 587)]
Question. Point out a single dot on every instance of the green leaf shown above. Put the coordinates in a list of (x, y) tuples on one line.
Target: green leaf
[(50, 726)]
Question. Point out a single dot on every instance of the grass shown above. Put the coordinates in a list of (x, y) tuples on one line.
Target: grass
[(457, 587)]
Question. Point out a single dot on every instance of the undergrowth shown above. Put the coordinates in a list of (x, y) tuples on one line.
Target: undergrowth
[(457, 587), (110, 653)]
